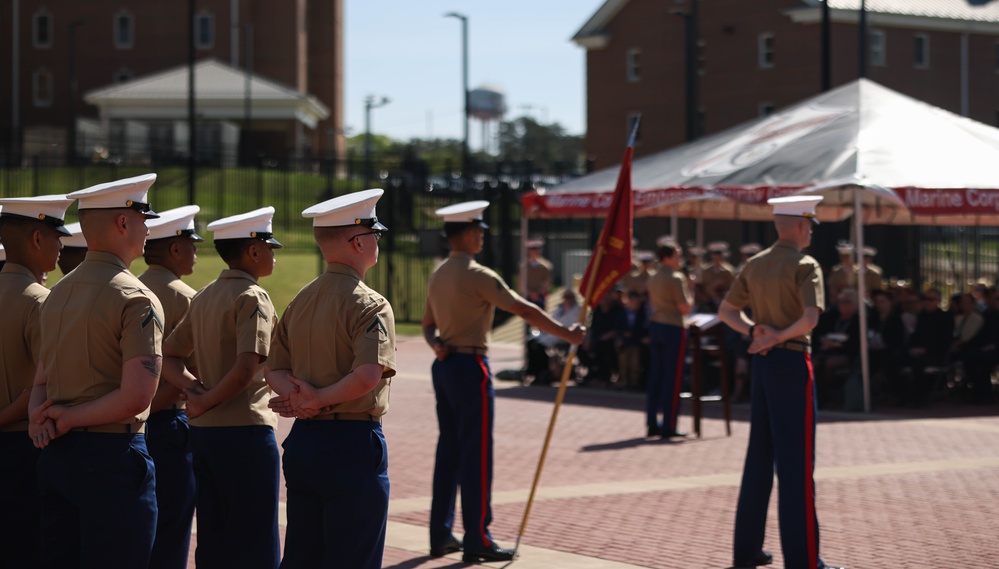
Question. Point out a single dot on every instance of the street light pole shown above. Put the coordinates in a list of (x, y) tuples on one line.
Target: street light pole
[(464, 78), (691, 35), (73, 95), (370, 103)]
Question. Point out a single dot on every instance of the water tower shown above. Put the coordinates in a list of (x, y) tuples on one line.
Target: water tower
[(488, 105)]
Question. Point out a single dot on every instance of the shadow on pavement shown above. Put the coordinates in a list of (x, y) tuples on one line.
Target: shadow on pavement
[(420, 561), (635, 401)]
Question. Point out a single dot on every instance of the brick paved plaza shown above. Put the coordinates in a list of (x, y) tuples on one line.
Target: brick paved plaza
[(894, 490)]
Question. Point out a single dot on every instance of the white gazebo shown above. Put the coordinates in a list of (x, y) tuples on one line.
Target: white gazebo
[(156, 107)]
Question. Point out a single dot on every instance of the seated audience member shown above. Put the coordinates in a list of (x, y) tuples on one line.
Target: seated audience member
[(978, 368), (967, 324), (836, 348), (545, 367), (885, 338), (631, 341), (597, 352), (928, 347)]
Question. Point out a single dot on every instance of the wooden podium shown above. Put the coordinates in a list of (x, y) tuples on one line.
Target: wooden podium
[(700, 328)]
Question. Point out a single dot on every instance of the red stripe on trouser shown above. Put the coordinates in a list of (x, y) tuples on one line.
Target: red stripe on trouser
[(484, 506), (677, 380), (813, 554)]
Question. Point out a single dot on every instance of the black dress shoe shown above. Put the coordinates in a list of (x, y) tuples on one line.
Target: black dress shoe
[(824, 566), (450, 546), (764, 558), (491, 553), (654, 432), (675, 435)]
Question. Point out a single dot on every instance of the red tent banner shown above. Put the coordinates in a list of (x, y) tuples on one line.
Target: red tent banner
[(613, 256), (949, 201)]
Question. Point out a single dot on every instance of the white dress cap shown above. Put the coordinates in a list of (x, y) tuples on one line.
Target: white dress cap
[(353, 209), (534, 243), (251, 225), (75, 238), (796, 206), (3, 254), (466, 212), (47, 209), (844, 248), (718, 247), (870, 251), (128, 193), (750, 249), (174, 223), (667, 240), (644, 256)]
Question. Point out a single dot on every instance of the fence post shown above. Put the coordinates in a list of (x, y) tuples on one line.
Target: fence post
[(34, 175), (506, 232)]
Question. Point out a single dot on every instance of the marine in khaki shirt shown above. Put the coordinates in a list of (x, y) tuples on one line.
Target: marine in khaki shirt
[(331, 362), (101, 335), (229, 329), (670, 300), (456, 323), (539, 273), (170, 253), (783, 286), (33, 246)]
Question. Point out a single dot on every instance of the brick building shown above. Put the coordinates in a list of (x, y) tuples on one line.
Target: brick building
[(760, 55), (296, 43)]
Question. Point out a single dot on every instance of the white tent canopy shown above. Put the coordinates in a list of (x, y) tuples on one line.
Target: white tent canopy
[(221, 93), (860, 134)]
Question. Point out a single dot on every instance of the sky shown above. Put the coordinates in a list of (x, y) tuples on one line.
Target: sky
[(408, 51)]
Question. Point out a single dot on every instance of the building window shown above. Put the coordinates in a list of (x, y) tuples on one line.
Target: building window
[(41, 88), (633, 66), (41, 29), (877, 47), (921, 53), (630, 124), (204, 26), (123, 75), (766, 109), (124, 30), (766, 50)]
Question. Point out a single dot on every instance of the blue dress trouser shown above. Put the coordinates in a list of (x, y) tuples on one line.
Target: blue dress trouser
[(167, 437), (338, 494), (464, 389), (98, 501), (781, 437), (667, 348), (236, 470), (19, 514)]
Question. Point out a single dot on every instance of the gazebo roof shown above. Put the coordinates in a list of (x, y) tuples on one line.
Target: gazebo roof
[(220, 93)]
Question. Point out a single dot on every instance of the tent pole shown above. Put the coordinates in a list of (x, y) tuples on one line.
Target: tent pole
[(674, 221), (858, 219)]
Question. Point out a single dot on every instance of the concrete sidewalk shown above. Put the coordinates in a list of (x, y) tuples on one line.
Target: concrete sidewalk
[(893, 491)]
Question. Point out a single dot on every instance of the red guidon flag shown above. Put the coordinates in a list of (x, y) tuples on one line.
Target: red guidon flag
[(615, 238)]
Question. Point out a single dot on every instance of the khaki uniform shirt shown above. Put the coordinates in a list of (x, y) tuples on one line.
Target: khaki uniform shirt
[(20, 337), (779, 284), (461, 295), (637, 281), (539, 276), (711, 275), (667, 290), (96, 318), (335, 325), (841, 277), (175, 295), (872, 277), (233, 315)]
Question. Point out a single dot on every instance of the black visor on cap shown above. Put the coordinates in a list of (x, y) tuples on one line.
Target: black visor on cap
[(143, 208), (190, 233), (55, 222), (371, 223), (267, 237)]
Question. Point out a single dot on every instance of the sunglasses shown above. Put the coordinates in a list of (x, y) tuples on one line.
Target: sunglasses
[(377, 234)]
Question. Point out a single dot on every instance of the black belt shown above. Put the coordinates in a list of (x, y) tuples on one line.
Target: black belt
[(139, 427), (472, 350), (347, 417), (795, 346)]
